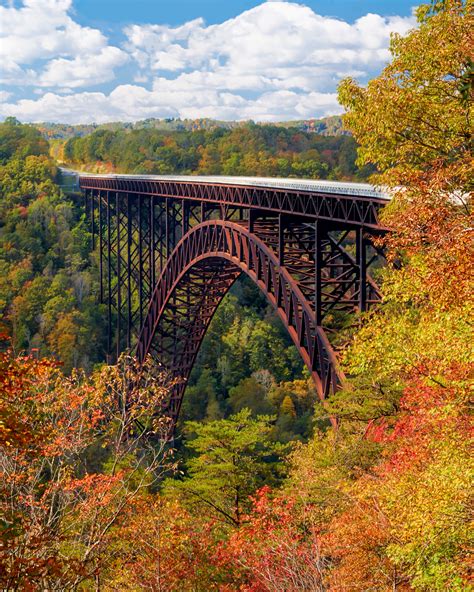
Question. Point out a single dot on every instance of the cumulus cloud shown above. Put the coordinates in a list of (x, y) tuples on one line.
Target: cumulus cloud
[(279, 60), (276, 45), (4, 95), (133, 102), (41, 45)]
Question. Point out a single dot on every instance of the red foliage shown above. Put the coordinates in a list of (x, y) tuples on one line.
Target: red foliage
[(276, 548)]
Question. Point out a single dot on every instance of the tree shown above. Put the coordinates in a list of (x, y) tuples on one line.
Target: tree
[(199, 396), (407, 519), (161, 546), (414, 123), (19, 141), (249, 394), (234, 457), (60, 499), (407, 523), (417, 112), (49, 284), (277, 548)]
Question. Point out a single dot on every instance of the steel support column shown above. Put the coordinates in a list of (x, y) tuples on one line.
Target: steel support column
[(281, 239), (101, 249), (93, 220), (318, 264), (109, 278), (119, 274), (361, 256), (140, 259), (129, 271)]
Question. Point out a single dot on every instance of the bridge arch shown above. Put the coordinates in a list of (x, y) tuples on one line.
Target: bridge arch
[(197, 275)]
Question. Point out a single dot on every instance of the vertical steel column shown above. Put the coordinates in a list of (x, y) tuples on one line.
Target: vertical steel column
[(174, 226), (318, 264), (92, 220), (361, 257), (86, 203), (101, 248), (167, 230), (119, 273), (140, 259), (251, 220), (151, 225), (281, 239), (129, 272), (109, 280), (184, 217)]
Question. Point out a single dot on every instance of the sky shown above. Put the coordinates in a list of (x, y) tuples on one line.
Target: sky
[(84, 61)]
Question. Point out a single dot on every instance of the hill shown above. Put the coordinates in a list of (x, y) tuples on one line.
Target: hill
[(327, 126)]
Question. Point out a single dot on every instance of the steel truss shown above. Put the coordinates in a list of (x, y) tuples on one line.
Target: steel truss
[(348, 209), (166, 263)]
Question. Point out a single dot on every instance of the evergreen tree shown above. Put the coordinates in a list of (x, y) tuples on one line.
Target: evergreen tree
[(234, 457)]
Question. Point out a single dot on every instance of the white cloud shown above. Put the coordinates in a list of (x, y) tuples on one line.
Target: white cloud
[(132, 102), (90, 69), (41, 45), (279, 60), (274, 45)]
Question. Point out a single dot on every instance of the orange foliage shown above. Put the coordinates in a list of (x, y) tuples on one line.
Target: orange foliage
[(59, 499)]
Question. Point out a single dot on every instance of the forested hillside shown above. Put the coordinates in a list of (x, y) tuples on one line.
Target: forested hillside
[(263, 495), (48, 284), (331, 126), (246, 150)]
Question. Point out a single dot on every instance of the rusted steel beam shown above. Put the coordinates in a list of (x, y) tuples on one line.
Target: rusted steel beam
[(349, 209), (232, 247)]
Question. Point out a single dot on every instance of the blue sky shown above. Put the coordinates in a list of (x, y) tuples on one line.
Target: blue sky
[(78, 61), (175, 12)]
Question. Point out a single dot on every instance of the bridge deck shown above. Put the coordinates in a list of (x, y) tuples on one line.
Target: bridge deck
[(355, 204), (311, 185)]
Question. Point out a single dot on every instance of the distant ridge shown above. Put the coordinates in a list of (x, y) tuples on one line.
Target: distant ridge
[(326, 126)]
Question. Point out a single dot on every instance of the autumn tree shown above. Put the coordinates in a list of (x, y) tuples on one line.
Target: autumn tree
[(411, 360), (278, 547), (49, 281), (159, 545), (74, 453), (414, 122)]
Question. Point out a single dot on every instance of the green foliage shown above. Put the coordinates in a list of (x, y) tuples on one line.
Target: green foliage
[(18, 141), (55, 132), (415, 112), (48, 287), (250, 394), (320, 471), (245, 356), (233, 458), (243, 150)]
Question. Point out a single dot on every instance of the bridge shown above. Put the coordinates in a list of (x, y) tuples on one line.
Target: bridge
[(170, 248)]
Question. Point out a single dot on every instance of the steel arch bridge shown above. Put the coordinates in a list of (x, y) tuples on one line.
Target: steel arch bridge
[(170, 248)]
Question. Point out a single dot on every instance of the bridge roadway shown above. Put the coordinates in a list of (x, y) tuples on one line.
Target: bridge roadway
[(312, 185), (356, 203), (170, 247)]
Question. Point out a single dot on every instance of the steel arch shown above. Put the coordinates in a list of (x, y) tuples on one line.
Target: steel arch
[(197, 275)]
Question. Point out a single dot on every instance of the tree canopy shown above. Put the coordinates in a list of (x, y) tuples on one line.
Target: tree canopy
[(90, 500)]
